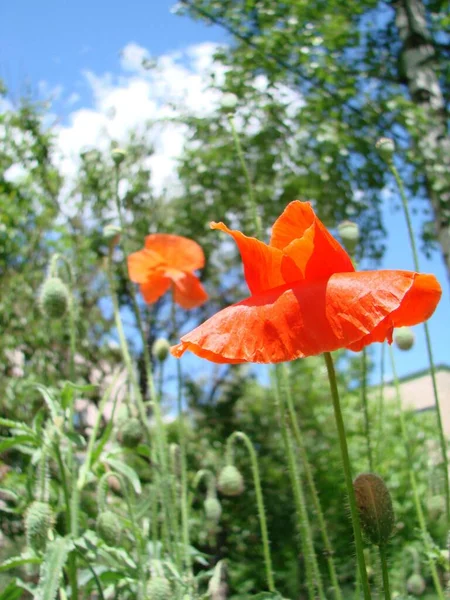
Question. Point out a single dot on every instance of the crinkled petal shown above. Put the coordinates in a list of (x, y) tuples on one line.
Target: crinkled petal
[(142, 263), (309, 318), (178, 252), (265, 267), (154, 287), (188, 291), (305, 239)]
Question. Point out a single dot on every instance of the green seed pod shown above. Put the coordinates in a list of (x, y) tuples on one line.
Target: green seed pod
[(386, 148), (416, 584), (39, 521), (118, 155), (349, 233), (404, 338), (160, 349), (213, 509), (109, 528), (231, 482), (159, 588), (54, 298), (131, 433), (375, 508)]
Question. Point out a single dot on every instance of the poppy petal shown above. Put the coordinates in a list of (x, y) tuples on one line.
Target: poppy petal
[(265, 267), (178, 252), (303, 237), (309, 318), (188, 291), (154, 287), (142, 263)]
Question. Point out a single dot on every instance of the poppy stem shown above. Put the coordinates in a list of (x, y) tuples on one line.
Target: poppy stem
[(415, 254), (384, 572), (366, 407), (310, 481), (380, 403), (240, 435), (413, 483), (348, 476)]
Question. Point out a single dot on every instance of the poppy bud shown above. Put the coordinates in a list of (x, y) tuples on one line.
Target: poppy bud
[(131, 433), (160, 349), (118, 155), (108, 528), (375, 507), (349, 233), (111, 234), (386, 148), (229, 102), (231, 482), (213, 509), (404, 338), (159, 588), (39, 521), (54, 298), (416, 584)]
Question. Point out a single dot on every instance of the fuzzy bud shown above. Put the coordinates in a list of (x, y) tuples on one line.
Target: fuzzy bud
[(118, 155), (349, 233), (231, 482), (213, 509), (416, 585), (131, 433), (386, 148), (160, 349), (111, 234), (159, 588), (375, 508), (404, 338), (229, 102), (108, 528), (54, 298), (39, 521)]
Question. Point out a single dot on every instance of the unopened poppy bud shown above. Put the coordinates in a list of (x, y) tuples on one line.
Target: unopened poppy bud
[(159, 588), (39, 521), (349, 233), (160, 349), (118, 155), (131, 433), (416, 584), (54, 298), (386, 148), (213, 509), (111, 234), (108, 528), (375, 507), (404, 338), (231, 482), (229, 102)]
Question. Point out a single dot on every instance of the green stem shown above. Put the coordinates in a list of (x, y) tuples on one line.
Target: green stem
[(413, 482), (348, 476), (259, 501), (415, 254), (313, 579), (92, 570), (384, 572), (380, 404), (366, 407), (311, 484)]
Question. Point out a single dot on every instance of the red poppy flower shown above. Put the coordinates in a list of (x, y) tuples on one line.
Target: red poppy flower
[(306, 298), (169, 260)]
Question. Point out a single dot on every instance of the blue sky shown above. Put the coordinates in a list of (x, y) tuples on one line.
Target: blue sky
[(51, 45)]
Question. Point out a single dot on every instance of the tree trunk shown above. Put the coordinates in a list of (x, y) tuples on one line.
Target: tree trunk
[(419, 62)]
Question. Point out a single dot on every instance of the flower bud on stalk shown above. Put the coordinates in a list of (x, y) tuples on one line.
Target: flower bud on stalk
[(375, 508), (231, 482)]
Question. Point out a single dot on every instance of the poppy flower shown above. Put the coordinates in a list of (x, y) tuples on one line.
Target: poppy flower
[(169, 261), (306, 298)]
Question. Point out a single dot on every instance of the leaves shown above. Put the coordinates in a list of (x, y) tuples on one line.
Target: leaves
[(52, 568)]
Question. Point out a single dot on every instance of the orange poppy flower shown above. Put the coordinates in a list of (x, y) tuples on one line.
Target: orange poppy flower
[(306, 298), (169, 261)]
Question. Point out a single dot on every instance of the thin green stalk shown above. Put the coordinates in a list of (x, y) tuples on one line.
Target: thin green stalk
[(413, 483), (311, 484), (313, 579), (415, 254), (92, 570), (366, 407), (384, 572), (239, 435), (380, 405), (359, 547)]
